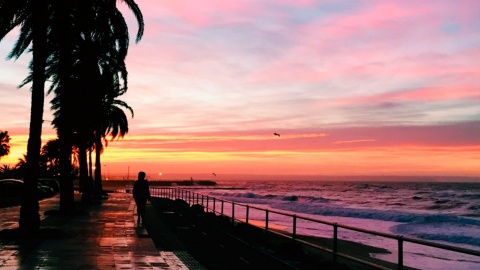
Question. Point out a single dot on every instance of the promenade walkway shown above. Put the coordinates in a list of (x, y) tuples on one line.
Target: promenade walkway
[(106, 236)]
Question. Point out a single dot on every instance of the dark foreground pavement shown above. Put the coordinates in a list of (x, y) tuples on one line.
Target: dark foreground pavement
[(103, 237)]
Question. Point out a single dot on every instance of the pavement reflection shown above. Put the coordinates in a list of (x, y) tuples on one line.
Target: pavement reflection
[(106, 238)]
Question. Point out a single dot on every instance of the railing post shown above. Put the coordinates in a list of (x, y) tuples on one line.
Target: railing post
[(266, 222), (335, 241), (207, 203), (294, 230), (246, 214), (202, 199), (400, 252), (222, 208), (233, 213), (214, 203)]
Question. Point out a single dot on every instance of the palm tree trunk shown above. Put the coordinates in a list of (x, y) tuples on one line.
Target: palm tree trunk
[(64, 130), (98, 165), (90, 164), (29, 218), (84, 179)]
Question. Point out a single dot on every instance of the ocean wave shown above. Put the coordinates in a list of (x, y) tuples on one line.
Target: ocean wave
[(470, 196), (292, 198), (397, 204), (443, 229), (446, 228), (445, 205), (326, 209), (254, 198), (474, 207)]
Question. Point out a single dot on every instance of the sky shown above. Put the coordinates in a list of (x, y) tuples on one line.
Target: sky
[(359, 87)]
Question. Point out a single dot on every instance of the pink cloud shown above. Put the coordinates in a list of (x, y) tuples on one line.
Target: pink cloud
[(197, 13), (354, 141), (421, 94)]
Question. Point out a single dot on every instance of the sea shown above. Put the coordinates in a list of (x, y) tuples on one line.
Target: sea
[(441, 212)]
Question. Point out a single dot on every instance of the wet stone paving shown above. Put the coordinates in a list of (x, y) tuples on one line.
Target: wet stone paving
[(105, 238)]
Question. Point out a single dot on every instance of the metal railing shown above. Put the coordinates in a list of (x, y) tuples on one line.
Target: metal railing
[(215, 205)]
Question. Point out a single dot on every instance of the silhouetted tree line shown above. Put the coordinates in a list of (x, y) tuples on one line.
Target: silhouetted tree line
[(48, 166), (80, 47)]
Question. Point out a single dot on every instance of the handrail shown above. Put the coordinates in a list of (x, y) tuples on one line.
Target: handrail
[(189, 197)]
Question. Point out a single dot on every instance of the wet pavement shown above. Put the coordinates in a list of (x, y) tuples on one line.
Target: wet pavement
[(104, 237)]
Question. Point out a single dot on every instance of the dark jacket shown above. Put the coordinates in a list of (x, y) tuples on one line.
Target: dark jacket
[(141, 190)]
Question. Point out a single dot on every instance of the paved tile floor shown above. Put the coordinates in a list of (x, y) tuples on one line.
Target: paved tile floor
[(105, 238)]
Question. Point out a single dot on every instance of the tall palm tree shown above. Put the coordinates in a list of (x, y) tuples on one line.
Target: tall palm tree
[(32, 16), (118, 125), (98, 52), (64, 19)]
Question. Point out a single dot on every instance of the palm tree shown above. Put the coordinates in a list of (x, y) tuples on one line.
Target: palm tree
[(50, 156), (64, 19), (97, 57), (4, 144), (6, 171), (114, 123), (32, 16), (98, 51)]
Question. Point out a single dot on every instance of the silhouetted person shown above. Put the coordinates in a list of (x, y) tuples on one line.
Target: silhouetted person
[(141, 193)]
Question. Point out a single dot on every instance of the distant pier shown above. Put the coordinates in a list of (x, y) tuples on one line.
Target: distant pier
[(110, 185)]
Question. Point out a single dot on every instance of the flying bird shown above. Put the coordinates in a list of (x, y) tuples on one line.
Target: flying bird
[(214, 174), (276, 134)]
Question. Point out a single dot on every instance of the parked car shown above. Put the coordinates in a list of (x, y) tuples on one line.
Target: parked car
[(14, 188), (45, 191), (52, 183), (11, 187)]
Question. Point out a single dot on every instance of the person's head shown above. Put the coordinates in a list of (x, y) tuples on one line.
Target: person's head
[(141, 175)]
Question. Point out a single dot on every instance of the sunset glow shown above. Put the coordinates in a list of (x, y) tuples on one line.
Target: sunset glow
[(351, 87)]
